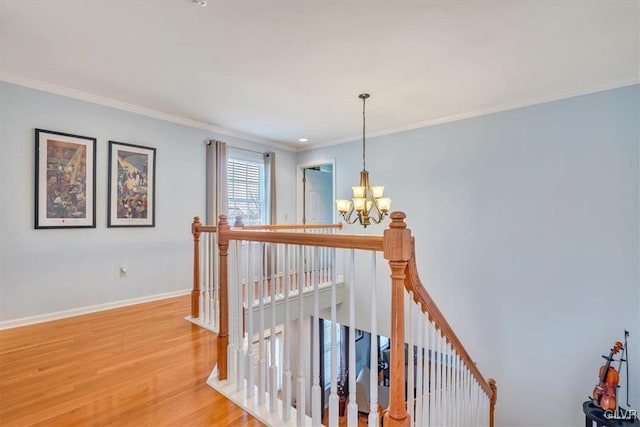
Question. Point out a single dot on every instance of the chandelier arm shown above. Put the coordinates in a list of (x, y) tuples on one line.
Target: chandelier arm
[(350, 221), (376, 220), (374, 204), (347, 215)]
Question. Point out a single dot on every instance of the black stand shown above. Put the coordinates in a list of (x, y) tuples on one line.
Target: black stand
[(595, 414)]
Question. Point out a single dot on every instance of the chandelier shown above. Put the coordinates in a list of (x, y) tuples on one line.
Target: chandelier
[(368, 204)]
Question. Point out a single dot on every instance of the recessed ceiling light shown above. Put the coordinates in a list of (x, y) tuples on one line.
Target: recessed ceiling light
[(201, 3), (303, 140)]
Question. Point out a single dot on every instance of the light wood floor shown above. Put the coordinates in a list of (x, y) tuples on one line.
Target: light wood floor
[(142, 365)]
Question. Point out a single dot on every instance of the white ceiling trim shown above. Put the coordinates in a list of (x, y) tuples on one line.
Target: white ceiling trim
[(119, 105), (478, 113)]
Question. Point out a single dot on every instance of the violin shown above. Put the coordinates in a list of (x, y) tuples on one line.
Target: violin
[(604, 394)]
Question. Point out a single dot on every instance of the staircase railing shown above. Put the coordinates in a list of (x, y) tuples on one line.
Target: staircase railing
[(447, 387), (205, 293), (439, 384)]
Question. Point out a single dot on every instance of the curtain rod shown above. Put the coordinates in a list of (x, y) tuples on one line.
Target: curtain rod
[(209, 141)]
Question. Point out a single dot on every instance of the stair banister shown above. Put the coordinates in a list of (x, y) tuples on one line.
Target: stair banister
[(398, 247), (421, 296)]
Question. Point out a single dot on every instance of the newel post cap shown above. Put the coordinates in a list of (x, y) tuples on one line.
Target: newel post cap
[(195, 225), (397, 238)]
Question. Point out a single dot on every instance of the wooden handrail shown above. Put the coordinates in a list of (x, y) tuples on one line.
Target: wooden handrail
[(290, 226), (207, 228), (345, 241)]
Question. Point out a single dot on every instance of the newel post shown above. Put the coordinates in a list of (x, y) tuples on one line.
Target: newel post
[(492, 401), (223, 330), (397, 250), (195, 292)]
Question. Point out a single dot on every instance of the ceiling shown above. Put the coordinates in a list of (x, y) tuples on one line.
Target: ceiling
[(276, 71)]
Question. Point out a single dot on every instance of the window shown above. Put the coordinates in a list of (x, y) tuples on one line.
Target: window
[(339, 347), (246, 188)]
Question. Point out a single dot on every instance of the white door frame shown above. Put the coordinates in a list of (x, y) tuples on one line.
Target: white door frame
[(300, 188)]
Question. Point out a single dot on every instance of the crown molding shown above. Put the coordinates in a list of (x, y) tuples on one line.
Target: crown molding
[(119, 105), (124, 106), (477, 113)]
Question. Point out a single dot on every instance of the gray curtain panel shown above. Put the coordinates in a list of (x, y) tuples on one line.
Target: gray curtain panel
[(216, 181)]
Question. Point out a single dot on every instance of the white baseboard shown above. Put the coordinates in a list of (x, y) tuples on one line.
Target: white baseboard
[(7, 324)]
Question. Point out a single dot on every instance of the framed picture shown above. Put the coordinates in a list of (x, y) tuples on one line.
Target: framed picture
[(132, 185), (65, 180)]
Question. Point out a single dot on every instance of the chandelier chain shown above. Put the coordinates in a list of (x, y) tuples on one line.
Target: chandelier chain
[(364, 163)]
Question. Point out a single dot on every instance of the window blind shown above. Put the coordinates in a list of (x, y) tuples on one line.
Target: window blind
[(246, 191)]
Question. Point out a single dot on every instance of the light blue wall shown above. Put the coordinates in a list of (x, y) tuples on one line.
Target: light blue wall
[(46, 271), (527, 231)]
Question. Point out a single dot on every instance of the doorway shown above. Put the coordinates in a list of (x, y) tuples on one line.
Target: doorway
[(317, 193)]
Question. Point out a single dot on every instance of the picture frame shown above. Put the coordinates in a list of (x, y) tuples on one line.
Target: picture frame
[(65, 180), (132, 185)]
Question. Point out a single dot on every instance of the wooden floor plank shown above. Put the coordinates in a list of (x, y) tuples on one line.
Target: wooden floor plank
[(133, 366)]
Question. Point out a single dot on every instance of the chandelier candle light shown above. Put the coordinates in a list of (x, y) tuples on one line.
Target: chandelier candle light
[(368, 202)]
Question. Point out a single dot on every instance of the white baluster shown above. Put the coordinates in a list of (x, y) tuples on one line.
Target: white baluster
[(250, 299), (439, 390), (373, 392), (273, 367), (451, 392), (418, 321), (471, 396), (460, 391), (472, 388), (316, 399), (232, 285), (432, 373), (410, 333), (470, 399), (333, 396), (486, 409), (203, 277), (352, 413), (425, 370), (239, 316), (443, 394), (300, 380), (454, 388), (286, 369), (262, 363), (210, 282)]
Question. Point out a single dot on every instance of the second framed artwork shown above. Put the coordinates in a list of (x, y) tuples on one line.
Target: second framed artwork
[(132, 185)]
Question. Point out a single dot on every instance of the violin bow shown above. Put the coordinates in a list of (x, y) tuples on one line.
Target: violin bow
[(626, 354)]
